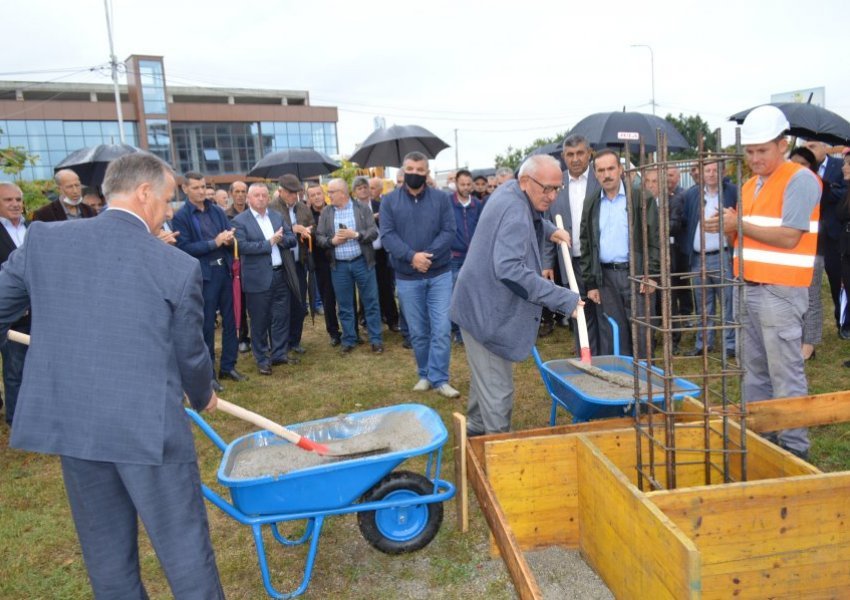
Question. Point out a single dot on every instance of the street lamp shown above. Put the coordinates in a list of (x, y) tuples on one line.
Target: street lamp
[(652, 68)]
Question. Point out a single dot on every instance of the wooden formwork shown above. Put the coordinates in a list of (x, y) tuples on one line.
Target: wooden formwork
[(783, 533)]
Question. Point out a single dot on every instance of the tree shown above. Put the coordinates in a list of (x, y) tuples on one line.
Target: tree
[(14, 159), (690, 127), (513, 156)]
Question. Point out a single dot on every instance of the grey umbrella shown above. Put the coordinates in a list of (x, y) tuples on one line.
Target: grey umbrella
[(301, 162), (387, 147), (809, 121), (616, 129), (90, 163)]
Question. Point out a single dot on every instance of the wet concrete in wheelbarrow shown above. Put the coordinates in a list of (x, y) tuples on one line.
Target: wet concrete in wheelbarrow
[(395, 431)]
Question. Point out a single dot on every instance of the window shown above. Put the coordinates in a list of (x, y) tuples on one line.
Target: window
[(153, 87)]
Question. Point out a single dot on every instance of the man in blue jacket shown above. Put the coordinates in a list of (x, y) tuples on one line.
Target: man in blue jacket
[(417, 229), (467, 209), (205, 233), (501, 290)]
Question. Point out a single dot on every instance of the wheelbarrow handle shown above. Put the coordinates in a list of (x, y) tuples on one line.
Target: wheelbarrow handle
[(269, 425)]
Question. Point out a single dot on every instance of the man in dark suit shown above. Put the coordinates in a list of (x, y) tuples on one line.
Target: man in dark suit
[(299, 218), (206, 234), (606, 227), (263, 237), (580, 185), (322, 264), (116, 417), (830, 228), (12, 235), (69, 205)]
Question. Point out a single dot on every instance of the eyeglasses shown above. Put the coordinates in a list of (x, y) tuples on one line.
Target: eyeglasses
[(547, 189)]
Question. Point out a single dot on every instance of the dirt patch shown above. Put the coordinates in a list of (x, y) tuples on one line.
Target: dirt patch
[(562, 574)]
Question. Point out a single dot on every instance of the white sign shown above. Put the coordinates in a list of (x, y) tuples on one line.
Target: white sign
[(628, 135), (817, 94)]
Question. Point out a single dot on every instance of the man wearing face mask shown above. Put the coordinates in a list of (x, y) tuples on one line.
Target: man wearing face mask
[(70, 204), (417, 229)]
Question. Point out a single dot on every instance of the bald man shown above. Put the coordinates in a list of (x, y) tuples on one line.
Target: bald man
[(12, 235), (70, 204)]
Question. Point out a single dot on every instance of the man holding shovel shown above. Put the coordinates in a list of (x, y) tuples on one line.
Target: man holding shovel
[(500, 290), (116, 417)]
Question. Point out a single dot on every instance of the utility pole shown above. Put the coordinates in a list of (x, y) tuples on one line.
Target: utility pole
[(457, 163), (114, 63), (652, 69)]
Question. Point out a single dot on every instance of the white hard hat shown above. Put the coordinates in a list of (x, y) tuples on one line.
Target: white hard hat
[(763, 124)]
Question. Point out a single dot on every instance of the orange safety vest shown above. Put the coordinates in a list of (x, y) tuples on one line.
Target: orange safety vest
[(764, 263)]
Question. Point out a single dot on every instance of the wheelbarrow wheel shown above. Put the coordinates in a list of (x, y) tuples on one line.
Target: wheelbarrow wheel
[(396, 530)]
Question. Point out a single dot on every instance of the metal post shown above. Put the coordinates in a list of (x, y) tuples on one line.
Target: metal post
[(114, 63), (652, 70), (457, 163)]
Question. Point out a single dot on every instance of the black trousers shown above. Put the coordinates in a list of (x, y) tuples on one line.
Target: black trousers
[(326, 291)]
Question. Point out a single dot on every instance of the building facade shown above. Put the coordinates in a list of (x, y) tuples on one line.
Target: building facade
[(219, 132)]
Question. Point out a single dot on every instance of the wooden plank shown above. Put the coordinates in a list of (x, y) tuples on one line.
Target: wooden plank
[(535, 482), (803, 411), (521, 575), (780, 537), (462, 493), (636, 549)]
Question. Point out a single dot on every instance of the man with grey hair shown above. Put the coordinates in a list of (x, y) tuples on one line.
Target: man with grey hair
[(500, 289), (70, 203), (12, 235), (116, 419), (579, 186), (347, 229), (503, 174)]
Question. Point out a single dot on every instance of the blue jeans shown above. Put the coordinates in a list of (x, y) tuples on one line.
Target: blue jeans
[(425, 303), (345, 275), (712, 295), (13, 373), (218, 297)]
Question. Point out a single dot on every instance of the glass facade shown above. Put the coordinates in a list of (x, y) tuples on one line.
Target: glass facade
[(215, 148), (53, 140), (153, 87), (219, 148)]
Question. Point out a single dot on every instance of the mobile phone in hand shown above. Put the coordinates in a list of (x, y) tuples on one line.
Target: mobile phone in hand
[(342, 226)]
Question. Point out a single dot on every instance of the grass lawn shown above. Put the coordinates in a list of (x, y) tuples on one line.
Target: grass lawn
[(41, 558)]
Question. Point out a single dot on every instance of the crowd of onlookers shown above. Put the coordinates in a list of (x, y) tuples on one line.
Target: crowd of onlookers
[(355, 255)]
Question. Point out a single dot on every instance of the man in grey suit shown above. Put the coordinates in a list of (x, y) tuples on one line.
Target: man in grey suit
[(500, 290), (263, 237), (580, 184), (116, 418)]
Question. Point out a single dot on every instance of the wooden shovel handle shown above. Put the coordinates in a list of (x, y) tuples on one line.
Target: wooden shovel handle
[(17, 336), (584, 342)]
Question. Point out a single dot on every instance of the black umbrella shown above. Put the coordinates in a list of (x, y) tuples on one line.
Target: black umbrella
[(553, 149), (388, 147), (301, 162), (489, 172), (90, 163), (809, 121), (616, 129)]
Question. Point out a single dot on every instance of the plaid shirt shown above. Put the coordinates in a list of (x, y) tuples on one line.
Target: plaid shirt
[(351, 248)]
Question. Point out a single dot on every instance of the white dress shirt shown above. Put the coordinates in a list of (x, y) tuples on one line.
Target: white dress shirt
[(578, 190), (268, 231)]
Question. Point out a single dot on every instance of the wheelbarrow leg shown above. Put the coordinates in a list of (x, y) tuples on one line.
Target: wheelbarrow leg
[(257, 530)]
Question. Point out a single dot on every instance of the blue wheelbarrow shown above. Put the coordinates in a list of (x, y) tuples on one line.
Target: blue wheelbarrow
[(567, 385), (397, 511)]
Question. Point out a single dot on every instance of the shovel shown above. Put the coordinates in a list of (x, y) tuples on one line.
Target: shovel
[(258, 420), (583, 339)]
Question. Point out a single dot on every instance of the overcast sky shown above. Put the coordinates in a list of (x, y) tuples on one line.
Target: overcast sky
[(501, 73)]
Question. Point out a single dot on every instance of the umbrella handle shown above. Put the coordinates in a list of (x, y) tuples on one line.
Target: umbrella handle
[(235, 249)]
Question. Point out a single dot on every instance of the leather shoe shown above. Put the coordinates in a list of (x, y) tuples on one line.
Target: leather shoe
[(346, 349), (217, 387), (298, 348), (289, 360), (730, 354), (546, 329), (264, 370), (844, 333), (232, 374), (243, 347), (335, 341), (406, 344), (377, 348), (394, 327), (697, 351)]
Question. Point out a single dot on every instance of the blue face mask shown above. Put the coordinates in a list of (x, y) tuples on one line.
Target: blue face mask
[(414, 180)]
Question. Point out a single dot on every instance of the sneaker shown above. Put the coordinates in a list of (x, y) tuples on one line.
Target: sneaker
[(448, 391), (423, 385)]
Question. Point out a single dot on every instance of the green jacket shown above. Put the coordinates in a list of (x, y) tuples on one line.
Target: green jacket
[(591, 268)]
